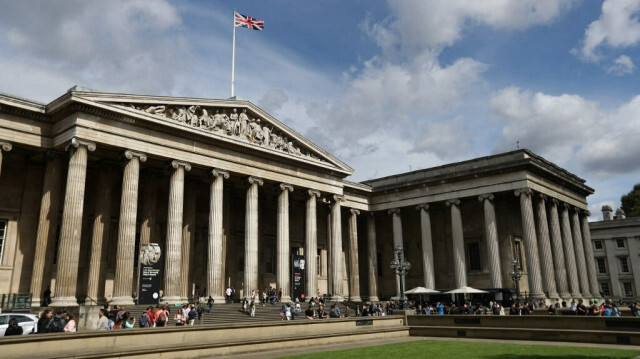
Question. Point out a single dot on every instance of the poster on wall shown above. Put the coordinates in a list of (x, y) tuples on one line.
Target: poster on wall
[(297, 277), (149, 290)]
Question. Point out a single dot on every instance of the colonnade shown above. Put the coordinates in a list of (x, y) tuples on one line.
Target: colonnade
[(559, 257)]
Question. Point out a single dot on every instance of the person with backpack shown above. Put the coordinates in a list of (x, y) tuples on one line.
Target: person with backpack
[(58, 323), (210, 302), (161, 320), (144, 321)]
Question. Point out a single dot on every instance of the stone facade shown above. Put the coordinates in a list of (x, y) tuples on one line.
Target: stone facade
[(229, 193), (616, 254)]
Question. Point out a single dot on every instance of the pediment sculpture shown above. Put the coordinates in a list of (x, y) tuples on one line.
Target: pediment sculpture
[(234, 124)]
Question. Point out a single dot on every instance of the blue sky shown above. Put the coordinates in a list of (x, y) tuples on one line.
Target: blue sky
[(386, 86)]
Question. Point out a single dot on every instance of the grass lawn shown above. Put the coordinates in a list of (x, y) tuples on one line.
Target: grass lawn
[(469, 350)]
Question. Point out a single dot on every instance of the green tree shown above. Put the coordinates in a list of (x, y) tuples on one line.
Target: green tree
[(631, 202)]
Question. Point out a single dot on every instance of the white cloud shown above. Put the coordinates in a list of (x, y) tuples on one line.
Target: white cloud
[(617, 27), (433, 24), (623, 65), (566, 127)]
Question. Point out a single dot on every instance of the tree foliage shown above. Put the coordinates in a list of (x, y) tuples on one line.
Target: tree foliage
[(631, 202)]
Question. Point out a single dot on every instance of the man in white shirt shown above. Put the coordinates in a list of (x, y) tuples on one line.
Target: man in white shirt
[(103, 321)]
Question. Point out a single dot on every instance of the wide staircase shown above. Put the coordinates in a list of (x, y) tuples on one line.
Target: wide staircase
[(231, 313)]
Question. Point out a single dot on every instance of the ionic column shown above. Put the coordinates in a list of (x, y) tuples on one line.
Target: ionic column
[(579, 254), (127, 230), (567, 241), (457, 234), (427, 246), (251, 237), (47, 225), (548, 276), (283, 281), (588, 253), (396, 223), (215, 272), (372, 258), (491, 233), (354, 268), (100, 235), (336, 249), (188, 242), (71, 230), (559, 265), (311, 244), (173, 248), (6, 147), (530, 242)]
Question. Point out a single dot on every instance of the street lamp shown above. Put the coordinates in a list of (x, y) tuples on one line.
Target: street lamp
[(401, 267), (516, 274)]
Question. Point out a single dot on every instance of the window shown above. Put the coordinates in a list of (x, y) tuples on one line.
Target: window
[(620, 242), (628, 289), (604, 290), (517, 252), (3, 236), (602, 267), (624, 265), (597, 245), (379, 263), (318, 264), (473, 256), (270, 258)]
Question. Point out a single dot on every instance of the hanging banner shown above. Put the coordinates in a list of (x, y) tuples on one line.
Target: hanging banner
[(297, 277), (150, 266)]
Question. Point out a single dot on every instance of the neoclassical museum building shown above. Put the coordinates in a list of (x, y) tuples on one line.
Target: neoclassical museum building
[(229, 193)]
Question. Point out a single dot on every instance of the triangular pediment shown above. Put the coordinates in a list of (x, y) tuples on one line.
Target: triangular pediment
[(235, 121)]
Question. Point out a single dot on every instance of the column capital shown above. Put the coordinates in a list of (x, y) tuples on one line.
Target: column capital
[(488, 196), (286, 187), (542, 196), (454, 201), (586, 212), (554, 202), (177, 164), (566, 206), (394, 211), (76, 142), (354, 211), (5, 146), (313, 193), (255, 180), (422, 206), (216, 172), (526, 191), (128, 154), (338, 198)]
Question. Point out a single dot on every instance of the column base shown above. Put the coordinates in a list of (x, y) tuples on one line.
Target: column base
[(36, 302), (374, 298), (337, 298), (355, 298), (576, 296), (285, 299), (537, 296), (124, 300), (553, 296), (58, 302), (217, 299)]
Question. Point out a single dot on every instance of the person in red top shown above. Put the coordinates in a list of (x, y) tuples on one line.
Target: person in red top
[(152, 319)]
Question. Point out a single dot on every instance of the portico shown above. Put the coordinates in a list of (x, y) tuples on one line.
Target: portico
[(229, 193)]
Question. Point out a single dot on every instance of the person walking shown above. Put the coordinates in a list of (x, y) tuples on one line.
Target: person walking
[(210, 302)]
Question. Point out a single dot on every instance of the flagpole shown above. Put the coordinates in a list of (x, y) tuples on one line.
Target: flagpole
[(233, 56)]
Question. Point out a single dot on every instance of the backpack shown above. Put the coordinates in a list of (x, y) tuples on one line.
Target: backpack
[(144, 320), (162, 317), (57, 325)]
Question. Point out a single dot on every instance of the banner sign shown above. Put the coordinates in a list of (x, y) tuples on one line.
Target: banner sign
[(297, 277), (150, 266)]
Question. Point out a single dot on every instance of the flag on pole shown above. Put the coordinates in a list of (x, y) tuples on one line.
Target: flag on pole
[(248, 22)]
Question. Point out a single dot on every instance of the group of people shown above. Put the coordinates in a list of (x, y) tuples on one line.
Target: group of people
[(158, 316), (60, 322)]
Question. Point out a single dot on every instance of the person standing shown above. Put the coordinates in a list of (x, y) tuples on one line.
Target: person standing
[(103, 321), (210, 302), (46, 297), (192, 315)]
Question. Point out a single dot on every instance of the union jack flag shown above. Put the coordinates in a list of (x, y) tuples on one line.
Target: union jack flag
[(248, 22)]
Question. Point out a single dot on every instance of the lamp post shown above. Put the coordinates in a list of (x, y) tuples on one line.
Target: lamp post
[(401, 267), (516, 274)]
